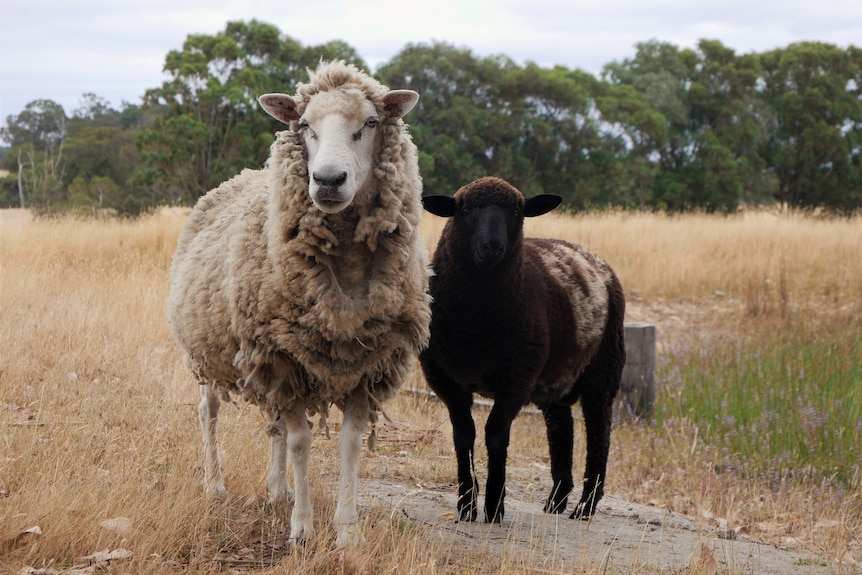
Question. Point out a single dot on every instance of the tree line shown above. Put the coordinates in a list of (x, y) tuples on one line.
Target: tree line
[(670, 128)]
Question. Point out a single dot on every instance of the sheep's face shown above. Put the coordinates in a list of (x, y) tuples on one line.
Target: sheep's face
[(341, 132), (491, 229), (487, 219)]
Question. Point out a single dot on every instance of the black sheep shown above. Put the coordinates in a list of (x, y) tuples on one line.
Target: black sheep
[(519, 321)]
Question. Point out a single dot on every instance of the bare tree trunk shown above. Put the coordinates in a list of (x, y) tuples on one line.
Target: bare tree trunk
[(20, 180)]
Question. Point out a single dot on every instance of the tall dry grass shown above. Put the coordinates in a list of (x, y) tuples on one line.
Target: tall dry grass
[(98, 415)]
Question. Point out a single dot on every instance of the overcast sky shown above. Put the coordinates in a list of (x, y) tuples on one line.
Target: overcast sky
[(61, 49)]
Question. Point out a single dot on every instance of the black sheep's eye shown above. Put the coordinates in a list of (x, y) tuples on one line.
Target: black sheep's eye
[(516, 212), (465, 212)]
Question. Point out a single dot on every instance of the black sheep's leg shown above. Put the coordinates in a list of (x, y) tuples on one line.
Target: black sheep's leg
[(497, 431), (560, 427), (459, 402), (597, 407), (464, 434)]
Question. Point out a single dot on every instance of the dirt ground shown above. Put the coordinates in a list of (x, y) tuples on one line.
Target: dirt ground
[(621, 538)]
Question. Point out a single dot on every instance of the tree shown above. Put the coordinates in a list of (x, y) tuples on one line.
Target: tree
[(458, 121), (36, 136), (715, 125), (561, 148), (100, 165), (814, 89), (478, 116), (637, 131), (659, 72)]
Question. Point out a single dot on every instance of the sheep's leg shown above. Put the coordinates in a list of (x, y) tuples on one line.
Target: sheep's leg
[(350, 446), (208, 409), (276, 482), (497, 431), (459, 403), (560, 429), (597, 408), (298, 447)]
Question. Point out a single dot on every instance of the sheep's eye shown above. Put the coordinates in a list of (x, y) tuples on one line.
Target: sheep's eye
[(305, 129), (516, 212), (465, 212), (370, 123)]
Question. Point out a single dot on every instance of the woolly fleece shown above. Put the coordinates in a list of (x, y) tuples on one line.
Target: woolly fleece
[(278, 302)]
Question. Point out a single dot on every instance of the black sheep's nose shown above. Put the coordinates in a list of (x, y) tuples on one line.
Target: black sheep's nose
[(332, 180), (493, 247)]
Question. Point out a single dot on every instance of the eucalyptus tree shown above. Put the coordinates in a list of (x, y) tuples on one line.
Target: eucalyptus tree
[(695, 125), (660, 74), (562, 148), (36, 137), (477, 116), (815, 90), (460, 124)]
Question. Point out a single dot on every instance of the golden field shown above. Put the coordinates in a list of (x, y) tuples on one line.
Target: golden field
[(98, 416)]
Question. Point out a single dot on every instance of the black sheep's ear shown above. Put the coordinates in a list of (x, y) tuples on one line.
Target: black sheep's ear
[(541, 204), (443, 206)]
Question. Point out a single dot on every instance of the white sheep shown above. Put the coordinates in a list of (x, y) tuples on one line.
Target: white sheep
[(304, 284)]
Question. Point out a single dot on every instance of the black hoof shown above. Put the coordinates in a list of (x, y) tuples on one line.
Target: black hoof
[(467, 510), (558, 507), (583, 511), (497, 518)]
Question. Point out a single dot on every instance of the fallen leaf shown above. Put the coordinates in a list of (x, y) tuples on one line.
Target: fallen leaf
[(21, 539), (119, 525), (48, 571), (106, 556)]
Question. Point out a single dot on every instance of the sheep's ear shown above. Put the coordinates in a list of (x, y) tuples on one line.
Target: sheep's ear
[(443, 206), (398, 102), (280, 106), (541, 204)]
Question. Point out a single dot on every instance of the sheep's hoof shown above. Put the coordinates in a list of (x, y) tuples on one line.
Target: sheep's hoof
[(282, 495), (217, 493), (349, 536), (467, 512), (584, 511), (497, 517), (301, 536), (558, 507), (467, 509)]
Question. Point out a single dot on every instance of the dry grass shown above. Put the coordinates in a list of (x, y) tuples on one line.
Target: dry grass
[(98, 415)]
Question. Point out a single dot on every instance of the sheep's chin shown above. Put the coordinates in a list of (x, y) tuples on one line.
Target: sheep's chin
[(485, 265), (329, 207)]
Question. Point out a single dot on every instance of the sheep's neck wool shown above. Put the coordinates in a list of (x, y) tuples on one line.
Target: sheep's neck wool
[(335, 332)]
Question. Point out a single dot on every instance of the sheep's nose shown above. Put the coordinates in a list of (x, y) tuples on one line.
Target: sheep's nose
[(493, 247), (332, 180)]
